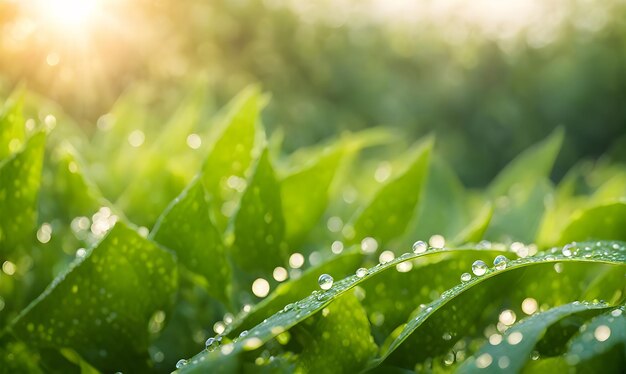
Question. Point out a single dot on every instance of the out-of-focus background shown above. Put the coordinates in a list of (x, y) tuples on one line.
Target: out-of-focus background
[(488, 77)]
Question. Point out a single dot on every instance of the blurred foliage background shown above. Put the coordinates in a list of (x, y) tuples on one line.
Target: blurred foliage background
[(488, 77)]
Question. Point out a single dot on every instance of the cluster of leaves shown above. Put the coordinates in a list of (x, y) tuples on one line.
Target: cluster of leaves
[(127, 255)]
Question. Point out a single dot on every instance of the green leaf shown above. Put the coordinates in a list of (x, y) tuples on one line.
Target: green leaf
[(302, 214), (601, 343), (532, 165), (475, 302), (170, 170), (296, 289), (337, 338), (476, 229), (101, 307), (74, 194), (230, 154), (392, 208), (12, 134), (259, 226), (391, 296), (519, 341), (489, 296), (602, 222), (443, 210), (517, 217), (20, 176), (187, 228)]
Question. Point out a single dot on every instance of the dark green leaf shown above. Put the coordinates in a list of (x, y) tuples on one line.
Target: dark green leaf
[(518, 342), (337, 338)]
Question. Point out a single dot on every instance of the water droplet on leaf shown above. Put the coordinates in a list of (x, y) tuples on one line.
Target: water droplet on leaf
[(479, 268), (325, 281)]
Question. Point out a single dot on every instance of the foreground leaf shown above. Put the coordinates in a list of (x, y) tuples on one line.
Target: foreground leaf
[(518, 342), (102, 305), (338, 338), (475, 301)]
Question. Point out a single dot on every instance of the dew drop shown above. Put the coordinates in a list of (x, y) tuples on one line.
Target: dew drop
[(419, 247), (479, 268), (325, 281), (386, 257), (500, 262), (181, 363), (465, 277), (209, 342), (243, 333), (567, 250), (361, 272)]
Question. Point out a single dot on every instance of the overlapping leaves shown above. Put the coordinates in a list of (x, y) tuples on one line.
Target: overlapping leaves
[(244, 217)]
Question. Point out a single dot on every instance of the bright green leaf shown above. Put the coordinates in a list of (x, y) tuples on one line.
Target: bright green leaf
[(392, 208), (603, 222), (259, 226), (187, 228), (532, 165), (101, 307), (20, 176), (302, 214)]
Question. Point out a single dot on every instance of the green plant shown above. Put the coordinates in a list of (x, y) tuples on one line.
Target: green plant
[(332, 231)]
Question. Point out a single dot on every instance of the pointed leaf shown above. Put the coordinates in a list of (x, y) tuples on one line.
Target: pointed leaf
[(259, 225), (532, 165), (302, 214), (12, 133), (231, 153), (186, 228), (388, 214), (20, 176)]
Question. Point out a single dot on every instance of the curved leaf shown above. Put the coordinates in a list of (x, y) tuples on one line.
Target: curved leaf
[(603, 222), (601, 343), (514, 350), (479, 303)]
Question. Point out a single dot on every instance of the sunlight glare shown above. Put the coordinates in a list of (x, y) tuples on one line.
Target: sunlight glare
[(68, 14)]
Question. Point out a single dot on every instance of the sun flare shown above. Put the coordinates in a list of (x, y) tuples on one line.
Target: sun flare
[(67, 14)]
